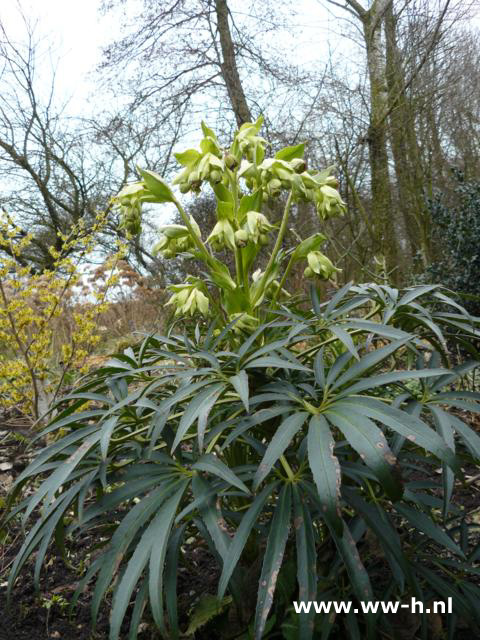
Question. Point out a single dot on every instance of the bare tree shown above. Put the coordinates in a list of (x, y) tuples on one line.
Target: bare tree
[(401, 41), (57, 169)]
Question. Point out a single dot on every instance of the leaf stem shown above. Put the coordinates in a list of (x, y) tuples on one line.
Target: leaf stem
[(288, 469)]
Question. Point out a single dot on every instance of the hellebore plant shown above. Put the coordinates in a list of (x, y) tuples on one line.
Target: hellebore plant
[(316, 453), (243, 179)]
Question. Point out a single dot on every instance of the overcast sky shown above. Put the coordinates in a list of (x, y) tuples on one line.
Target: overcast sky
[(76, 31)]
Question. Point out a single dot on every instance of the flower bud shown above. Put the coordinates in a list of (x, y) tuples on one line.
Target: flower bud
[(215, 176), (187, 299), (263, 240), (274, 187), (332, 182), (193, 177), (321, 265), (245, 322), (241, 238), (257, 224), (308, 273), (230, 161), (298, 165)]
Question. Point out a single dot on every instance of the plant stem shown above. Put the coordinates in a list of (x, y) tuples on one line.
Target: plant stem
[(198, 241), (276, 248), (288, 468), (282, 281)]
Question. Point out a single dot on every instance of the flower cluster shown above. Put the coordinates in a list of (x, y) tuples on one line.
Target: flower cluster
[(275, 175), (174, 239), (188, 298), (242, 179)]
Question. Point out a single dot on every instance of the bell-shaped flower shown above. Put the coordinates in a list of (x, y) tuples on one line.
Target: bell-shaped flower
[(320, 265), (244, 322), (222, 236), (257, 224), (329, 202), (187, 299)]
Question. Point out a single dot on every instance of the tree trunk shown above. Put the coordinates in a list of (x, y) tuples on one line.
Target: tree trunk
[(405, 149), (377, 137), (229, 66)]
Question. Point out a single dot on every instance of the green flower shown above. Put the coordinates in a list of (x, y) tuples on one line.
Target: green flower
[(248, 139), (222, 236), (187, 299), (257, 224), (129, 202), (320, 265), (175, 238), (329, 202), (245, 322)]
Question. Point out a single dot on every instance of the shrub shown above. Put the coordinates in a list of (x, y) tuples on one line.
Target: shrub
[(44, 332), (300, 446), (456, 228)]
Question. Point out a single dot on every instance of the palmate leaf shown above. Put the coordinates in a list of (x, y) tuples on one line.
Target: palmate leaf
[(444, 428), (257, 418), (171, 575), (355, 568), (126, 531), (41, 531), (468, 435), (275, 361), (367, 362), (345, 338), (207, 608), (212, 464), (61, 474), (240, 384), (379, 522), (151, 549), (372, 382), (161, 527), (211, 517), (426, 525), (202, 402), (251, 415)]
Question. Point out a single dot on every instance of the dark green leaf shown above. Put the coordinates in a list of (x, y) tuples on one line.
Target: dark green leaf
[(211, 464), (249, 519), (280, 441), (325, 469), (370, 443), (426, 525), (273, 558), (407, 425), (240, 384)]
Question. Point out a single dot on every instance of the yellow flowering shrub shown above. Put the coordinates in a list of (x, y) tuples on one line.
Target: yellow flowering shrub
[(45, 332)]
